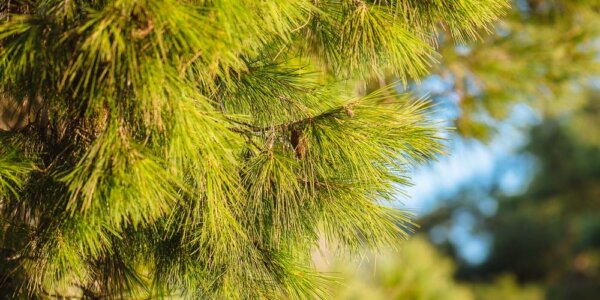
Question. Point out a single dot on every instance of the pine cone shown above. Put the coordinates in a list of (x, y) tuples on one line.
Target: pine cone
[(298, 141), (350, 112)]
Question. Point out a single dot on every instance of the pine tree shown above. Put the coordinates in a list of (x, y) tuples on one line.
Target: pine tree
[(202, 148)]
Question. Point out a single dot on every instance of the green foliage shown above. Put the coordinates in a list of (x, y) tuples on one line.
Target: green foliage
[(12, 172), (506, 287), (417, 271), (200, 148), (544, 53)]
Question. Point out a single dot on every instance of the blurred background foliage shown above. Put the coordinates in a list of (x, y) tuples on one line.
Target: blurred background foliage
[(415, 272), (545, 53), (543, 240), (418, 271)]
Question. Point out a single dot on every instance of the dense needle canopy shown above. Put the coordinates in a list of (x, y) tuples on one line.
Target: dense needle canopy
[(203, 148)]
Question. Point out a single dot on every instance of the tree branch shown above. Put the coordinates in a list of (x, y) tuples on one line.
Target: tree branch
[(347, 108)]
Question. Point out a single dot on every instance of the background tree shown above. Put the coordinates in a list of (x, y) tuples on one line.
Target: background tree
[(418, 271), (200, 148), (547, 235), (415, 272), (543, 55)]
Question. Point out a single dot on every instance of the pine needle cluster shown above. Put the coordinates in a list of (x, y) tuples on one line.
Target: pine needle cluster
[(202, 148)]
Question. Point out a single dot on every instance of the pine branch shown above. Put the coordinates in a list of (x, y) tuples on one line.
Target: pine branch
[(202, 148)]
